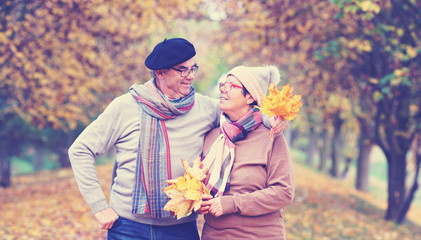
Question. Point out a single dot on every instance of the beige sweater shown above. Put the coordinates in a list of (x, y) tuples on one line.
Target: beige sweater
[(262, 184)]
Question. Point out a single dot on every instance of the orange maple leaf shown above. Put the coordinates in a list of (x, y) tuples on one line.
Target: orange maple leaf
[(281, 103)]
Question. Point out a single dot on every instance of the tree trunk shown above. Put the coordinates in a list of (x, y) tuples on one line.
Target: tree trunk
[(312, 147), (63, 157), (62, 147), (365, 146), (38, 163), (399, 145), (348, 162), (396, 184), (394, 135), (410, 197), (293, 135), (324, 153), (5, 170), (336, 146)]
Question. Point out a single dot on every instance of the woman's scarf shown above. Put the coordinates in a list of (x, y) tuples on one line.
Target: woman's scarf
[(153, 166), (221, 156)]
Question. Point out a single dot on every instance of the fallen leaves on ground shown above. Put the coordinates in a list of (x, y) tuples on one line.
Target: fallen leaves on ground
[(48, 206), (325, 208)]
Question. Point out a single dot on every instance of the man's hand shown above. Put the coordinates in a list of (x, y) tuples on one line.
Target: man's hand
[(204, 208), (106, 218)]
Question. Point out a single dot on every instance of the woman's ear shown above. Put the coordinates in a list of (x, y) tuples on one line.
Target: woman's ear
[(249, 98)]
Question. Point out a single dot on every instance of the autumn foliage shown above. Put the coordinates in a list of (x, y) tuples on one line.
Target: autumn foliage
[(355, 62), (62, 61)]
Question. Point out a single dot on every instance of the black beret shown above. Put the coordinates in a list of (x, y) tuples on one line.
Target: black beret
[(169, 53)]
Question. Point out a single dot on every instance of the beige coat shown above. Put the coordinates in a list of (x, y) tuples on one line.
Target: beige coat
[(262, 184)]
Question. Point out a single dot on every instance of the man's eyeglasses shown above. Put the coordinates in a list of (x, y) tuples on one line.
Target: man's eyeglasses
[(185, 72), (227, 86)]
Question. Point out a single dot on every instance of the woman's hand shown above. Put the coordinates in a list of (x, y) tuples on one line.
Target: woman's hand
[(215, 207), (211, 205)]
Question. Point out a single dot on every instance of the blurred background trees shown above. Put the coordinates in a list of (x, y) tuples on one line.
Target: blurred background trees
[(357, 64)]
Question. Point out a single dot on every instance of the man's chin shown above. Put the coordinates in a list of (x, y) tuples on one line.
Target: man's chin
[(186, 91)]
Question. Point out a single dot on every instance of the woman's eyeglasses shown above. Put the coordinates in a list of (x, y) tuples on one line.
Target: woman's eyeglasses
[(227, 86)]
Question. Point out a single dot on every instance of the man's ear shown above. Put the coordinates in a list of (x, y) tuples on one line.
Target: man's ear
[(159, 72)]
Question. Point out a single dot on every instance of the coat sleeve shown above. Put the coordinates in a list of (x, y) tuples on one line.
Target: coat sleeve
[(280, 186)]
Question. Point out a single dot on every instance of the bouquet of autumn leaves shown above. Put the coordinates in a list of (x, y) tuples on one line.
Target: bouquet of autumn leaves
[(185, 192), (281, 104)]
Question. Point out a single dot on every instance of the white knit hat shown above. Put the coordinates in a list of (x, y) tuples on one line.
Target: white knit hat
[(257, 79)]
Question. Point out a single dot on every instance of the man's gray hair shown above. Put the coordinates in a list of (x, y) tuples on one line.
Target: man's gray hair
[(153, 74)]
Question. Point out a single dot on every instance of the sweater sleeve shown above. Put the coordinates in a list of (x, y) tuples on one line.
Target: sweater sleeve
[(94, 141), (280, 186)]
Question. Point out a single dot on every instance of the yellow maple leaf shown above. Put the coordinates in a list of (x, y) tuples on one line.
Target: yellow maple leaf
[(198, 170), (281, 103), (185, 192)]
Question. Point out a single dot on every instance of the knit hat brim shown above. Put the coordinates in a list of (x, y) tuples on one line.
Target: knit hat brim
[(257, 79)]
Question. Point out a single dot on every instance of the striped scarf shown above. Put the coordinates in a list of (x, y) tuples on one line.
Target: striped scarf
[(153, 166), (220, 157)]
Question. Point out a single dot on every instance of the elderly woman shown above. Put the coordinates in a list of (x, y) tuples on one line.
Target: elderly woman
[(251, 175)]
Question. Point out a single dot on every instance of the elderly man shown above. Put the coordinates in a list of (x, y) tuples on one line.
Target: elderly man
[(152, 128)]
